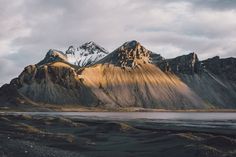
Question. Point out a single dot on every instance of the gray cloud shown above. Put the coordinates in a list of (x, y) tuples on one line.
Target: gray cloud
[(216, 4), (29, 28)]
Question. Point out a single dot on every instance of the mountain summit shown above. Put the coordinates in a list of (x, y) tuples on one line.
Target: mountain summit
[(54, 56), (130, 54), (91, 48), (89, 53)]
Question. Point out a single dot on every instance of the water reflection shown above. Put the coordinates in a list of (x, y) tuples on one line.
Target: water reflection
[(141, 115)]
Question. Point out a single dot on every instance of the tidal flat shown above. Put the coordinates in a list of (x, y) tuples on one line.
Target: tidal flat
[(26, 135)]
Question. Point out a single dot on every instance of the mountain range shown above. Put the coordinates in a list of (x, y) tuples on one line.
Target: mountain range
[(131, 76)]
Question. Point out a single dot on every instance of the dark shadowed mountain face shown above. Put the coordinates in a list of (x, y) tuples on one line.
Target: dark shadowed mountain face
[(186, 64), (130, 76), (225, 68), (214, 79)]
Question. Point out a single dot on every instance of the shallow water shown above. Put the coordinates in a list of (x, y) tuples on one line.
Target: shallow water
[(209, 116), (216, 122)]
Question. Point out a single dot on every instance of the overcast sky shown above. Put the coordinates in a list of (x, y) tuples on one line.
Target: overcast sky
[(29, 28)]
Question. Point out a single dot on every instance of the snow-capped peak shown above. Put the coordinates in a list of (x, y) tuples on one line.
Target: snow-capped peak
[(86, 54), (91, 48)]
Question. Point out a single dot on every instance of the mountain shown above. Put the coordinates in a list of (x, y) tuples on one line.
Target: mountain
[(128, 79), (130, 76), (86, 54)]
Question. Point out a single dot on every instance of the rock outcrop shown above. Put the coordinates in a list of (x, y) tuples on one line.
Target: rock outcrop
[(186, 64), (54, 83), (53, 56), (130, 54)]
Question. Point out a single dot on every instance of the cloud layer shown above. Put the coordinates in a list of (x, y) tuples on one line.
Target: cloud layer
[(29, 28)]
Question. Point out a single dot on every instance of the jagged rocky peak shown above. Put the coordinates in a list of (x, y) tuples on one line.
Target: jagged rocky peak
[(70, 54), (91, 48), (185, 64), (70, 50), (53, 56), (191, 59), (130, 54), (155, 58), (86, 54)]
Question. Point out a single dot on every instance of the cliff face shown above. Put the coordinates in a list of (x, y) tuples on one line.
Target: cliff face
[(55, 83), (225, 68), (214, 79), (130, 76), (186, 64)]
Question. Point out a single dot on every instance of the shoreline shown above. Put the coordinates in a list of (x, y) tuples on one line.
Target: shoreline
[(57, 109), (48, 136)]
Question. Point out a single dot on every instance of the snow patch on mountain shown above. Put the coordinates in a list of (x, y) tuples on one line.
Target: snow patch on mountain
[(87, 54)]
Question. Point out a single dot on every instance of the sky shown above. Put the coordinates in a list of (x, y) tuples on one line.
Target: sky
[(29, 28)]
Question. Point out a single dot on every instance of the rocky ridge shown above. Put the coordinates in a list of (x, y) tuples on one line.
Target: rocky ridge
[(186, 64)]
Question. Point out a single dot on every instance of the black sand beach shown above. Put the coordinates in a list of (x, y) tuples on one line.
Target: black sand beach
[(57, 136)]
